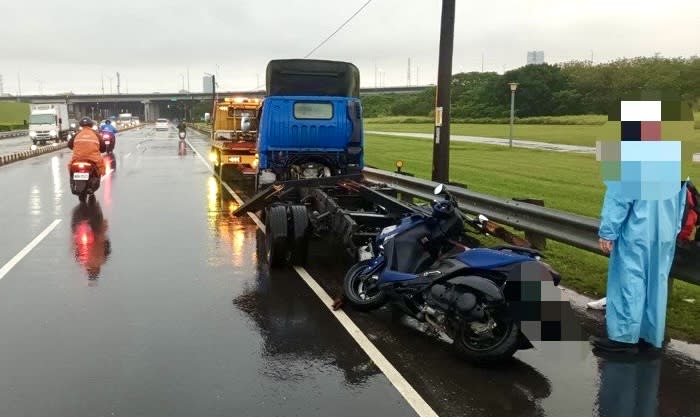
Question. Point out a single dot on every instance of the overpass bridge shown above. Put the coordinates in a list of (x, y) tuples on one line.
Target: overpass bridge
[(150, 106)]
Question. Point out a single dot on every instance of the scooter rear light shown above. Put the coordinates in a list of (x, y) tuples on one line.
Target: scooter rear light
[(105, 136), (80, 166)]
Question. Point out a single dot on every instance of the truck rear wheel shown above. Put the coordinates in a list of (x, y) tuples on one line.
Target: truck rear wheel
[(300, 236), (278, 253)]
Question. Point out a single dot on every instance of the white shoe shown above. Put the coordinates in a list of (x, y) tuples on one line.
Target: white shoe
[(598, 305)]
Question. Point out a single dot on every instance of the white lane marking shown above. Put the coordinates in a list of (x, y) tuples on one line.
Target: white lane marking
[(419, 405), (24, 252), (405, 389), (238, 199), (204, 161), (127, 155)]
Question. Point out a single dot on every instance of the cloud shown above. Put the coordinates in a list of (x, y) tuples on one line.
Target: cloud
[(67, 44)]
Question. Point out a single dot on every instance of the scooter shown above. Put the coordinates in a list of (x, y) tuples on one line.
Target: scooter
[(84, 179), (109, 140), (469, 297)]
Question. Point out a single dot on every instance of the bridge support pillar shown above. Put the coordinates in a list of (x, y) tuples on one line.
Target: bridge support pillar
[(147, 111)]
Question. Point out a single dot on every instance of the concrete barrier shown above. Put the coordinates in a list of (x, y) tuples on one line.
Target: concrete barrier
[(18, 156), (13, 134)]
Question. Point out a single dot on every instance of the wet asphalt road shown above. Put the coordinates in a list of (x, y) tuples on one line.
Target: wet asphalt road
[(181, 319), (179, 322)]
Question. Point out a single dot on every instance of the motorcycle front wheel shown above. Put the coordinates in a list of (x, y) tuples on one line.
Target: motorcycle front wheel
[(356, 291), (495, 345)]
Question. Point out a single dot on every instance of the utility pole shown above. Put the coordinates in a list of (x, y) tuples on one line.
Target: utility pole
[(188, 79), (409, 73), (513, 87), (102, 76), (482, 62), (375, 75), (118, 84), (441, 142), (19, 85)]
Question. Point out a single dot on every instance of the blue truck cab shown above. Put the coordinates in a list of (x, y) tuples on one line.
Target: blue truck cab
[(310, 121)]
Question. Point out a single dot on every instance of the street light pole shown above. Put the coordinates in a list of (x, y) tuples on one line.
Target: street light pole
[(513, 87)]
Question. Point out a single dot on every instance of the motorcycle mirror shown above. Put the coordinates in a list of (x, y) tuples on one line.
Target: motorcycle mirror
[(439, 189)]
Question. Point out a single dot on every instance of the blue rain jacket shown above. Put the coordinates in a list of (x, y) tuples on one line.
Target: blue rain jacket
[(108, 127), (644, 234)]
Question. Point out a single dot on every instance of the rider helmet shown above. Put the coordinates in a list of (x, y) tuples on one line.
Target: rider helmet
[(86, 122)]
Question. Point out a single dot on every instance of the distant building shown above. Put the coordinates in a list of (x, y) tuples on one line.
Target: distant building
[(208, 84), (535, 57)]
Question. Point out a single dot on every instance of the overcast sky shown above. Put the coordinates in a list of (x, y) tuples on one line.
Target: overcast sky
[(60, 46)]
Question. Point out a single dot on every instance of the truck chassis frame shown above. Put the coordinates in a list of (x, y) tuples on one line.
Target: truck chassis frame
[(345, 207)]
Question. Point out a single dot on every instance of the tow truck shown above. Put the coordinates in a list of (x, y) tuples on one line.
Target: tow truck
[(234, 134)]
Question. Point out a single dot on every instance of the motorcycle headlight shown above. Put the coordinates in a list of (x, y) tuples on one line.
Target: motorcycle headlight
[(52, 133), (72, 125), (32, 134)]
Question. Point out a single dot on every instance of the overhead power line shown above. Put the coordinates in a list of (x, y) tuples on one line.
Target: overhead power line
[(332, 34), (339, 28)]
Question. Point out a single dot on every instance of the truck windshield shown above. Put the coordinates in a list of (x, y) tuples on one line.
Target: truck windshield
[(307, 110), (42, 119)]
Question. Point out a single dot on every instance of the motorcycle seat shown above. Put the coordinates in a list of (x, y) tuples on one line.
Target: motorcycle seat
[(483, 258)]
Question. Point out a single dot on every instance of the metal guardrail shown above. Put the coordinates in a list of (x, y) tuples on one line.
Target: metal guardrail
[(571, 229), (13, 134)]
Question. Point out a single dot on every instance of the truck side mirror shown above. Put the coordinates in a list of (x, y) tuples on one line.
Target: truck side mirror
[(60, 121)]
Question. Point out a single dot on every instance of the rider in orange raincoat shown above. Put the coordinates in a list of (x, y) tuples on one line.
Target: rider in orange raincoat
[(88, 145)]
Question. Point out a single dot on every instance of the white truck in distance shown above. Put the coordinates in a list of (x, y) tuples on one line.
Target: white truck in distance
[(124, 120), (48, 123)]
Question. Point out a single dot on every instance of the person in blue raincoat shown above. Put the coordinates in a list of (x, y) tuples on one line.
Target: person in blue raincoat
[(640, 220), (108, 127)]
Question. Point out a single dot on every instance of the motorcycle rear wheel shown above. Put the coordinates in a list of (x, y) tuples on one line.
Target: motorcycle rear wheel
[(353, 287), (479, 350)]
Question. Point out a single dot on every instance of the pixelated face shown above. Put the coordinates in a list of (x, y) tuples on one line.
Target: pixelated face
[(642, 166)]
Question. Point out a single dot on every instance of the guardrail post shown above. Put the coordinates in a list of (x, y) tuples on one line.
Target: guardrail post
[(538, 241)]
